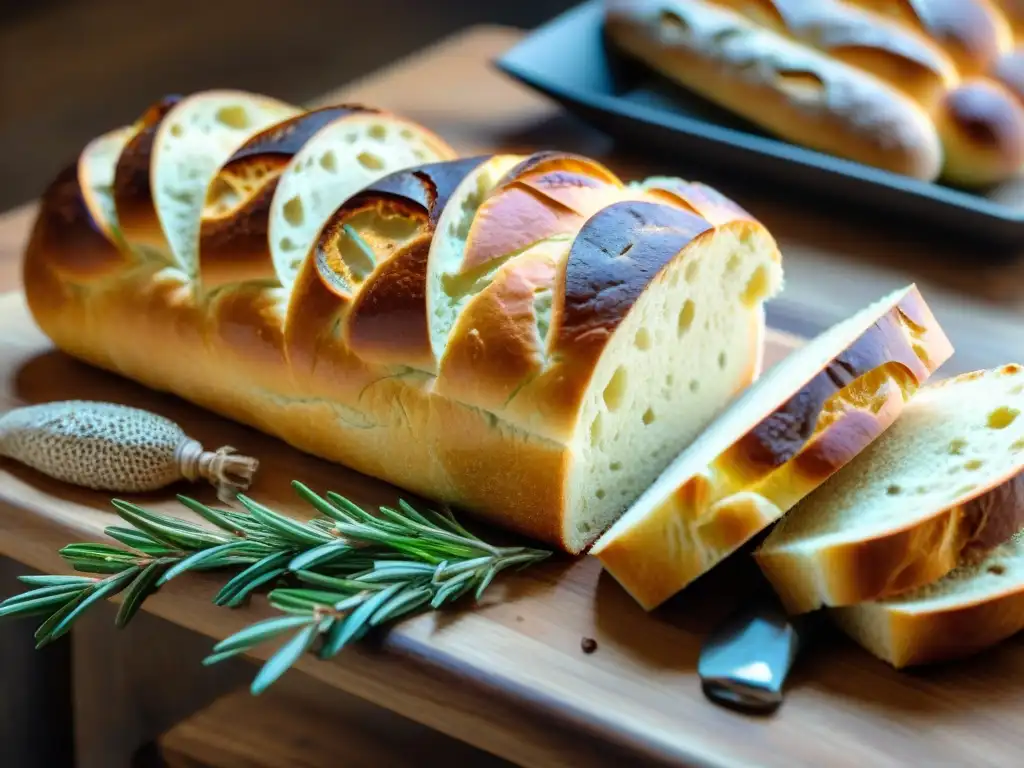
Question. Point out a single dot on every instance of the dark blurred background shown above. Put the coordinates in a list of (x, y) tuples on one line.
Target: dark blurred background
[(71, 69)]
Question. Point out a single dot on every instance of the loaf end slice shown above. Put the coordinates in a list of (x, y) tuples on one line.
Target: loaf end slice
[(943, 482), (797, 425), (974, 607)]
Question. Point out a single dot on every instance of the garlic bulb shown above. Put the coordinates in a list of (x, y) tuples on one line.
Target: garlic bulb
[(111, 447)]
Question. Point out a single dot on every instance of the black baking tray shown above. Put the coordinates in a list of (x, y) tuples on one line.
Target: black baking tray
[(569, 60)]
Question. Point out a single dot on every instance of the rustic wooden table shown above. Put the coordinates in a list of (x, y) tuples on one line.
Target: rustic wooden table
[(835, 263)]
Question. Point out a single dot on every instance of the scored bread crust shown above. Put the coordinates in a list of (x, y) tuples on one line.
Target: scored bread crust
[(787, 87), (796, 67), (904, 635), (833, 416), (904, 558), (232, 349), (233, 238), (133, 196)]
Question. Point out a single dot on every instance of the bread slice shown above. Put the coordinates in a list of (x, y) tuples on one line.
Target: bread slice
[(338, 161), (233, 234), (973, 608), (941, 482), (365, 278), (192, 141), (799, 423)]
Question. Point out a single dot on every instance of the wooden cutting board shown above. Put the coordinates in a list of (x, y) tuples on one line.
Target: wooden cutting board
[(510, 676)]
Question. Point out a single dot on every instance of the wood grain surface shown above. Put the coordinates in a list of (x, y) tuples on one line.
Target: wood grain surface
[(303, 723), (510, 677)]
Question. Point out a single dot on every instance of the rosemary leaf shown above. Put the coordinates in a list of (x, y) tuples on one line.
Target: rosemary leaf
[(259, 632), (285, 526), (167, 521), (55, 589), (406, 601), (323, 506), (60, 622), (197, 559), (344, 631), (141, 587), (190, 538), (137, 540), (285, 657), (238, 588), (307, 600), (485, 582), (231, 523), (333, 582), (412, 513), (321, 555), (55, 581), (450, 588), (36, 604)]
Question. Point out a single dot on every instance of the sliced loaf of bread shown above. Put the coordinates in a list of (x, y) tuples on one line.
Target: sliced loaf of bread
[(976, 606), (945, 479), (799, 423)]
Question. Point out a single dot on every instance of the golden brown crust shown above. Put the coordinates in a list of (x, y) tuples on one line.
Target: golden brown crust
[(132, 194), (786, 87), (972, 32), (900, 560), (906, 639), (233, 244), (65, 234), (387, 320), (982, 127), (781, 460), (612, 260), (864, 40)]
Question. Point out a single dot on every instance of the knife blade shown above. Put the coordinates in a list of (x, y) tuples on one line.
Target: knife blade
[(746, 659)]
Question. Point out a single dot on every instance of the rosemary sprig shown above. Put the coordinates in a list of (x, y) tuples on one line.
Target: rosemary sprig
[(362, 570), (443, 563)]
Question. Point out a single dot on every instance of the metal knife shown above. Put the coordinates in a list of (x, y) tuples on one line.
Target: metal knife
[(746, 659)]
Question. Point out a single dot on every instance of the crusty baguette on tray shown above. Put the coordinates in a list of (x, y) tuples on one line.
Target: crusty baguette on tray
[(929, 89), (528, 338)]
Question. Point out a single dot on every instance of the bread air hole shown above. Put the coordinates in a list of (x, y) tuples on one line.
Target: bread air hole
[(1018, 445), (1002, 417), (643, 339), (692, 270), (894, 490), (370, 161), (723, 360), (615, 392), (293, 212), (596, 427), (694, 386), (615, 466), (686, 315), (1017, 389), (406, 134), (973, 464), (757, 287), (600, 493), (177, 130), (648, 416), (673, 22), (734, 263), (329, 162), (233, 117), (956, 446), (286, 244), (996, 569), (800, 84), (378, 132)]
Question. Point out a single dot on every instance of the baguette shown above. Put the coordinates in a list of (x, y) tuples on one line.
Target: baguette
[(788, 88), (944, 482), (340, 354), (801, 422), (953, 60), (973, 608)]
